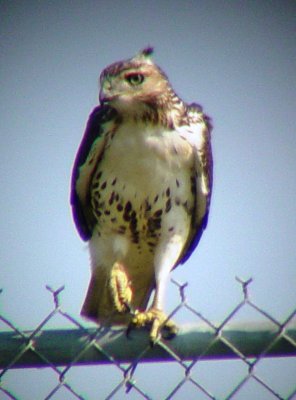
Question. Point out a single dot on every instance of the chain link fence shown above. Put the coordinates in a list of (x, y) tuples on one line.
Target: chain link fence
[(229, 360)]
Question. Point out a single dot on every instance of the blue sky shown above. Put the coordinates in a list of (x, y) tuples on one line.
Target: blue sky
[(236, 58)]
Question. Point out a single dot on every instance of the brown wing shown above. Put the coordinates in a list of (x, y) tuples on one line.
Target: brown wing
[(202, 181), (89, 154)]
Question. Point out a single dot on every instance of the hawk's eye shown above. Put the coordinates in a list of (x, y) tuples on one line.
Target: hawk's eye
[(134, 79)]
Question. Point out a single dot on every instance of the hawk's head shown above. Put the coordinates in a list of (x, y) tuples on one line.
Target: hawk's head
[(137, 86)]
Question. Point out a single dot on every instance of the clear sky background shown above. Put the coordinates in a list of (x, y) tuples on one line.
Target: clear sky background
[(237, 59)]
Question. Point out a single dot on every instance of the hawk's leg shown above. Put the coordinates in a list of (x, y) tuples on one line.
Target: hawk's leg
[(120, 289), (154, 318)]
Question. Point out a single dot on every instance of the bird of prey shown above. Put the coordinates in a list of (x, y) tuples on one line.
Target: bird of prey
[(140, 193)]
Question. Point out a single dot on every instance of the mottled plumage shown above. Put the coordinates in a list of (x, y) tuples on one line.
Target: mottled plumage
[(141, 190)]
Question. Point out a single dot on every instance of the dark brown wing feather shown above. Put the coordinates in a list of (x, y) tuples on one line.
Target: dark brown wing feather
[(94, 130), (205, 161)]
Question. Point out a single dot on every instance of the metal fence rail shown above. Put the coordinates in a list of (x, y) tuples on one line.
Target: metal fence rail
[(65, 349), (80, 346)]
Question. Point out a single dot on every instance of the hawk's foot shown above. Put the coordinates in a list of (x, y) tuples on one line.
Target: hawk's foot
[(120, 288), (156, 321)]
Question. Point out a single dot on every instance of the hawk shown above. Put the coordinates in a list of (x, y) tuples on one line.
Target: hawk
[(140, 192)]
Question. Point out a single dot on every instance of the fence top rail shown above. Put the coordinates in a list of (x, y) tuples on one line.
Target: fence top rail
[(105, 345)]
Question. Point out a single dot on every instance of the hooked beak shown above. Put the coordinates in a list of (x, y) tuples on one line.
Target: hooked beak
[(103, 97), (105, 92)]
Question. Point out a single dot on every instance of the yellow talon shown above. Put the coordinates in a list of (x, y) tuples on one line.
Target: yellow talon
[(158, 323)]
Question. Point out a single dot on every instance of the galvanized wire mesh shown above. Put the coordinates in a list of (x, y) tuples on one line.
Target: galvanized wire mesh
[(205, 361)]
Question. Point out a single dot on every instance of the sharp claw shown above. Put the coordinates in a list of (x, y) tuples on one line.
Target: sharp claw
[(169, 332), (155, 332), (127, 306), (128, 331), (156, 321)]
